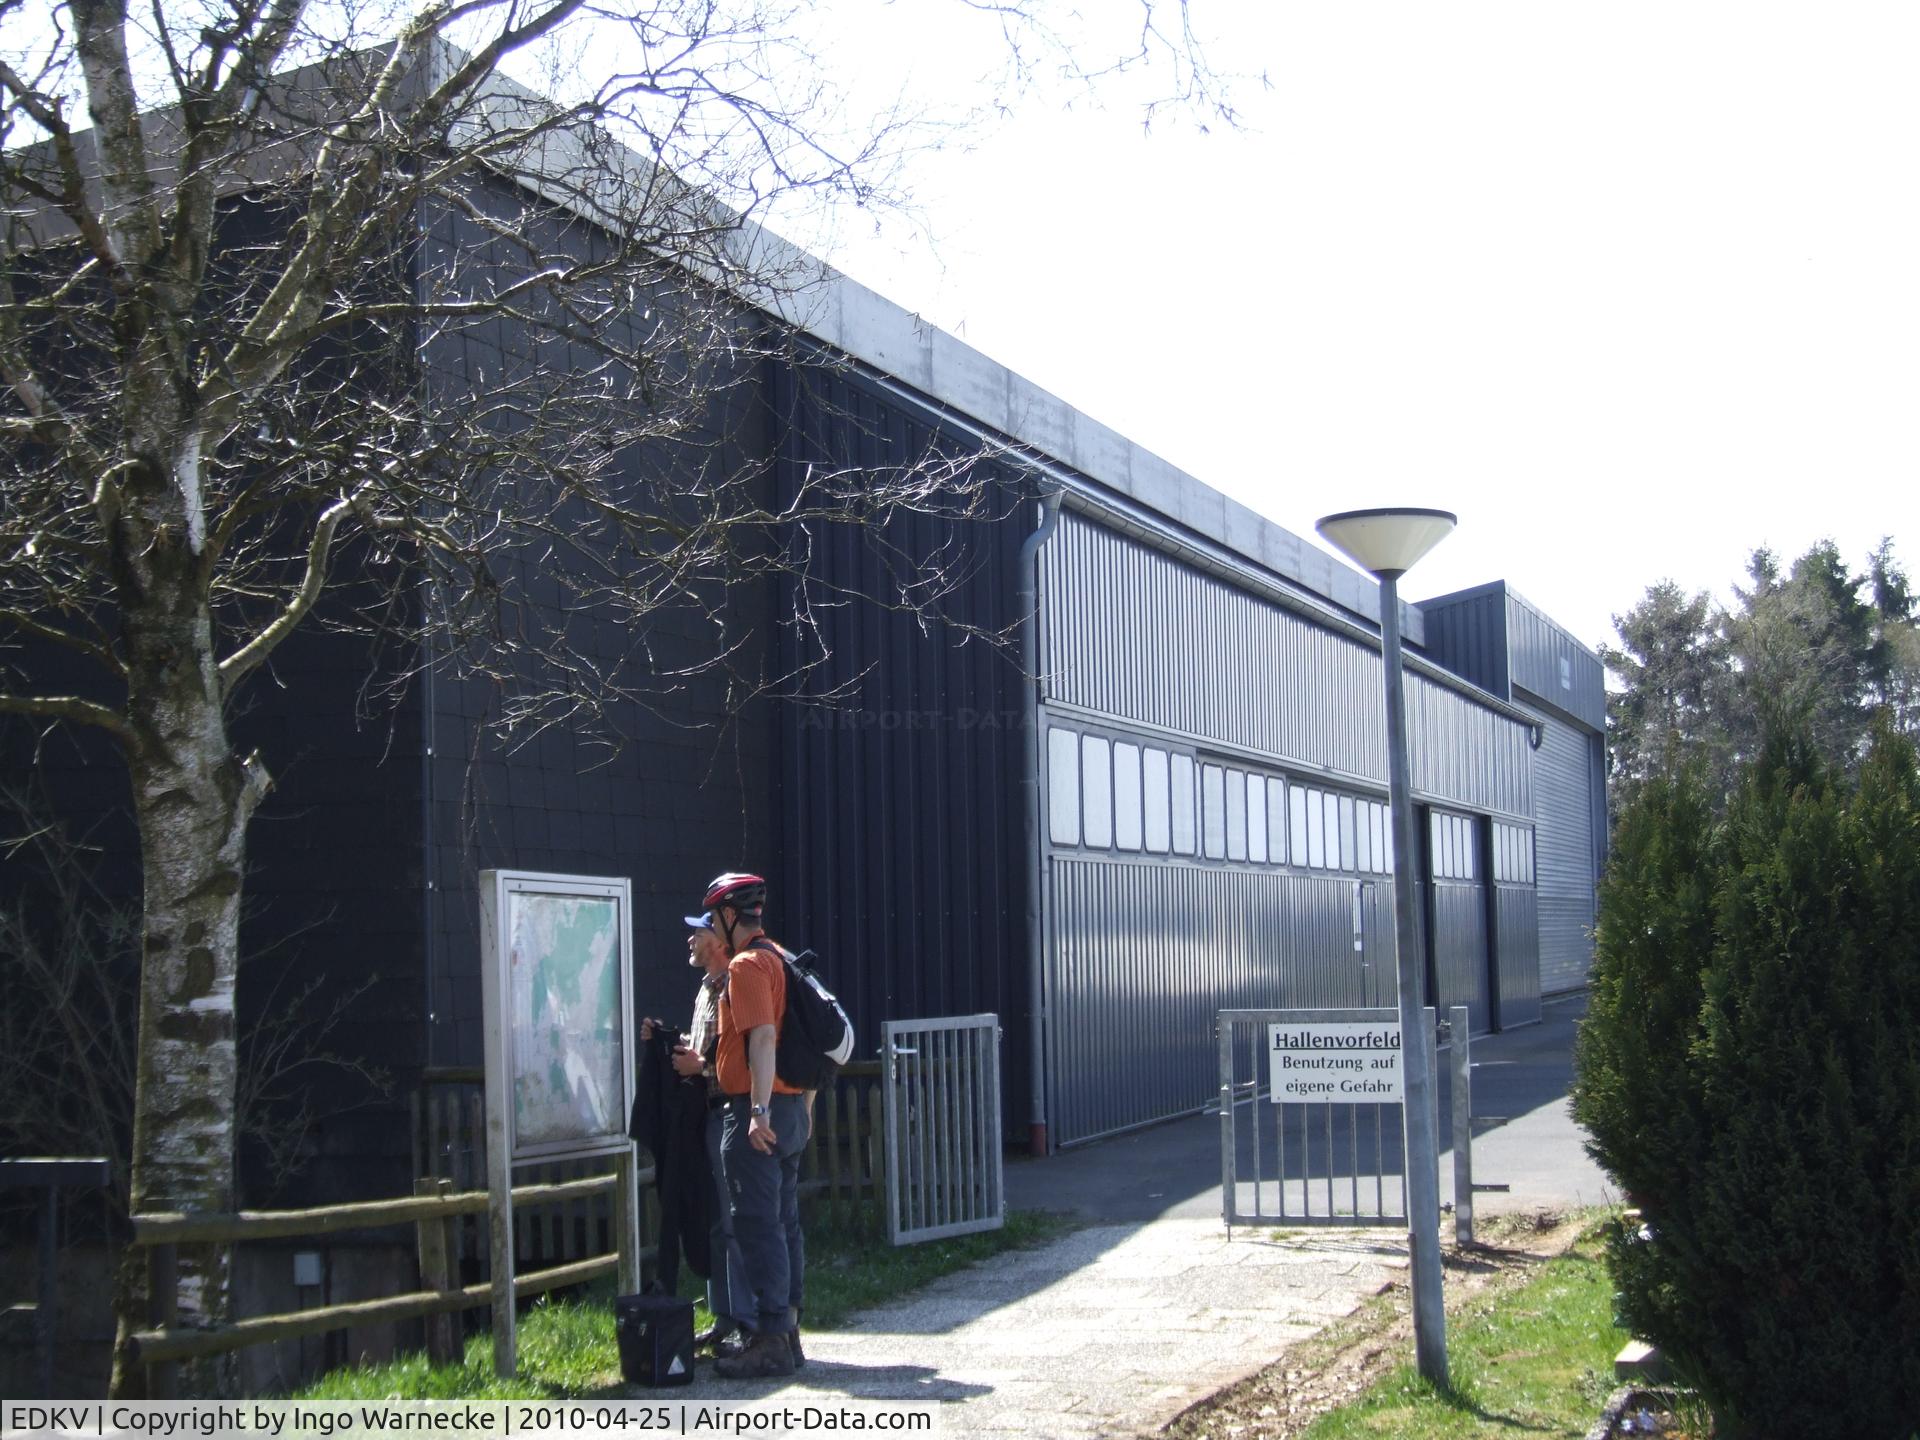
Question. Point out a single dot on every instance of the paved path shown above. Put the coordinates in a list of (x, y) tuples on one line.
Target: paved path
[(1111, 1330), (1116, 1328), (1523, 1131)]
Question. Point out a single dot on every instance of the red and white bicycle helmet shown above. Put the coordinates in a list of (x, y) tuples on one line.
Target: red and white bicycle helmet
[(744, 893)]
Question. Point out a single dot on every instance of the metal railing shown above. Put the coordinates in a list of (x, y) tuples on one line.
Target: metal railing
[(1354, 1174), (942, 1106), (1318, 1163)]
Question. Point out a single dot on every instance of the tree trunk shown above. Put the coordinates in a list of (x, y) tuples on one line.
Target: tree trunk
[(193, 797)]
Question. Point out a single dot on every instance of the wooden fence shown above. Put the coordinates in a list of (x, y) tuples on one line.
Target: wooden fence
[(566, 1219), (163, 1345), (842, 1172)]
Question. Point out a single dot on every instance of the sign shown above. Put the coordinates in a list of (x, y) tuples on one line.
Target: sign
[(1349, 1064), (569, 1059), (556, 961), (558, 957)]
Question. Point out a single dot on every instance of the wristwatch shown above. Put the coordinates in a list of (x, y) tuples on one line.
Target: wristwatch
[(758, 1110)]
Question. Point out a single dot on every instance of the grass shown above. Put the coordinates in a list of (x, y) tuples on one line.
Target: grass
[(566, 1347), (1537, 1359)]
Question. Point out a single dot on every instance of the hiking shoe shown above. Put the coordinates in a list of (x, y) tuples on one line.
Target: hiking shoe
[(767, 1356)]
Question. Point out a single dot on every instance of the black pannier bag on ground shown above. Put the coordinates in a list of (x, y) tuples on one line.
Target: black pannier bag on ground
[(655, 1334), (816, 1037)]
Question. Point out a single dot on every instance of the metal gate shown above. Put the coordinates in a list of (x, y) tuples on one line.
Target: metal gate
[(1333, 1163), (942, 1115)]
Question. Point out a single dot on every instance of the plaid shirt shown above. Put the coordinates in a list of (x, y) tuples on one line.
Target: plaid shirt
[(706, 1020)]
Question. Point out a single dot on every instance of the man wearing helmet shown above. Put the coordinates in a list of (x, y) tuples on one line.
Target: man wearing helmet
[(765, 1126)]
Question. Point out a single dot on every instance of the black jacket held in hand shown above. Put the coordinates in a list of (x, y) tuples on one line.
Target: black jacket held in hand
[(670, 1120)]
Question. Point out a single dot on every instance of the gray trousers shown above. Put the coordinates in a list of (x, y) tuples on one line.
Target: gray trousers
[(765, 1190)]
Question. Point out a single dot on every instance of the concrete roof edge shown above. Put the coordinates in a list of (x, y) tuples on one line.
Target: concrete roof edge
[(1472, 592)]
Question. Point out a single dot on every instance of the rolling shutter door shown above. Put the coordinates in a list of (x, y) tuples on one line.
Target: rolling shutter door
[(1564, 829)]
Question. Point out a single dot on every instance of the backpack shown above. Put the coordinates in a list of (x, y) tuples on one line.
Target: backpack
[(816, 1037)]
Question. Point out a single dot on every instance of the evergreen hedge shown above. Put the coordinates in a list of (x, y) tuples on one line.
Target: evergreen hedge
[(1749, 1073)]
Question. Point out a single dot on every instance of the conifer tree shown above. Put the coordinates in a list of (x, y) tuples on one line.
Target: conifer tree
[(1750, 1073)]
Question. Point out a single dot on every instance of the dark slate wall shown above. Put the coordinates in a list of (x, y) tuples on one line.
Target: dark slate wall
[(330, 932), (1467, 633), (906, 869), (333, 911), (676, 789)]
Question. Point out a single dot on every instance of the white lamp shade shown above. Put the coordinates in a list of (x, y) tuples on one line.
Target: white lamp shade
[(1387, 542)]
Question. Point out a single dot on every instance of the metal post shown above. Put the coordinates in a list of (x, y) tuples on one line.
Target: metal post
[(1462, 1129), (1229, 1191), (495, 1002), (1423, 1180)]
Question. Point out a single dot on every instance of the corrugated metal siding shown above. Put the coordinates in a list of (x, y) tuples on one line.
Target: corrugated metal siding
[(1460, 949), (1517, 938), (1464, 754), (1550, 663), (1143, 953), (904, 865), (1132, 634), (1468, 634), (1563, 829), (1597, 788)]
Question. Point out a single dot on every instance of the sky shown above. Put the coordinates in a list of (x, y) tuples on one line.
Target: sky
[(1633, 289)]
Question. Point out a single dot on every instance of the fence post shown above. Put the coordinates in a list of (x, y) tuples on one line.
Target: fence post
[(626, 1221), (163, 1308), (829, 1100), (1462, 1129), (870, 1142), (435, 1272)]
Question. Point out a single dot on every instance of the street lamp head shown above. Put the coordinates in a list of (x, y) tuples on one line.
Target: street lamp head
[(1386, 542)]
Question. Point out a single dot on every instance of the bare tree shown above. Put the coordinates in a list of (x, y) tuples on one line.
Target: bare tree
[(302, 328), (69, 967)]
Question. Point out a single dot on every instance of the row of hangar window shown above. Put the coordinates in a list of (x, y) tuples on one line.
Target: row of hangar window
[(1456, 855), (1117, 795), (1113, 794)]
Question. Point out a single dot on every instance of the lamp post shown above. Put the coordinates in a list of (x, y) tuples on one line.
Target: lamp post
[(1388, 543)]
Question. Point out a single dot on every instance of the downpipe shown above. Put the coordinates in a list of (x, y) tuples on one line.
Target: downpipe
[(1026, 606)]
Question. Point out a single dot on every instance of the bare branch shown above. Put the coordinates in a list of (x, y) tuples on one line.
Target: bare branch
[(70, 708), (40, 629), (241, 662)]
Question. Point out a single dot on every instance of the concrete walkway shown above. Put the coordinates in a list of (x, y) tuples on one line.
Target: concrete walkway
[(1116, 1328), (1109, 1331)]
